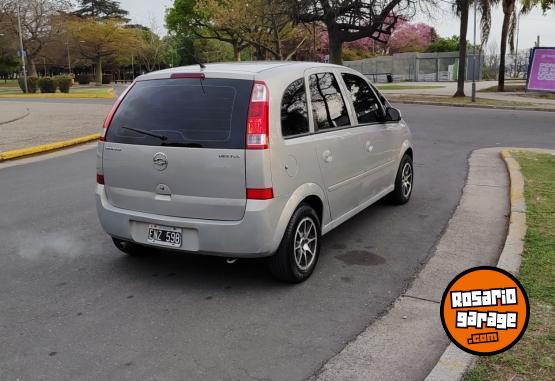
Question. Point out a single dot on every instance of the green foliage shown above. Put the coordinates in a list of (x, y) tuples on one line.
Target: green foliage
[(180, 17), (545, 5), (48, 85), (101, 9), (64, 83), (8, 64), (83, 79), (106, 79), (32, 84), (444, 44)]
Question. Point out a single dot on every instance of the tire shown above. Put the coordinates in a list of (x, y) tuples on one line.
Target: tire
[(129, 248), (404, 182), (295, 266)]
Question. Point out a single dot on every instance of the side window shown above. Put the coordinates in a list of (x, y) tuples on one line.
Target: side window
[(328, 105), (294, 112), (367, 107)]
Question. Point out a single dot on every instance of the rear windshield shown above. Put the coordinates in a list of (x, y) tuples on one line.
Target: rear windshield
[(202, 113)]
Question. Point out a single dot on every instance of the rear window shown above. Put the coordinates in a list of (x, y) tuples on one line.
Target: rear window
[(203, 113)]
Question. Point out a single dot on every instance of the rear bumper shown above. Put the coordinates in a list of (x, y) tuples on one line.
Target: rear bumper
[(252, 236)]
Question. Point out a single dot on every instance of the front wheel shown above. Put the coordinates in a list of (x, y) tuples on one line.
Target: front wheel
[(299, 250), (404, 182)]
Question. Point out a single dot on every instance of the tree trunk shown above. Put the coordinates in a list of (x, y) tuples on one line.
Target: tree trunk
[(462, 50), (31, 67), (99, 72), (236, 52), (335, 48), (508, 8)]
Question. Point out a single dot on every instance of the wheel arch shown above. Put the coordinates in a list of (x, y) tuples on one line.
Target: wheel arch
[(309, 193)]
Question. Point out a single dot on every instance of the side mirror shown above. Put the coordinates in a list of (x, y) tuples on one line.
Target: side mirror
[(392, 114)]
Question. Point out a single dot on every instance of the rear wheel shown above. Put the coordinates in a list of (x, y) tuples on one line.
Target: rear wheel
[(299, 250), (128, 248), (403, 182)]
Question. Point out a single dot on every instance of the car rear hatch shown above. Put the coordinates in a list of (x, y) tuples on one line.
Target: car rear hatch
[(176, 147)]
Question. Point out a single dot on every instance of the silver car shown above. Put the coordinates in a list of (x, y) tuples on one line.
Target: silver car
[(247, 160)]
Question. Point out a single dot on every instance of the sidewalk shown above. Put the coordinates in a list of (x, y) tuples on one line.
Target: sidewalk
[(447, 89), (406, 343), (48, 122)]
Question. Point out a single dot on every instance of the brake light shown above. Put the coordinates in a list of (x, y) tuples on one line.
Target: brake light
[(260, 194), (257, 121), (112, 112), (100, 179), (187, 75)]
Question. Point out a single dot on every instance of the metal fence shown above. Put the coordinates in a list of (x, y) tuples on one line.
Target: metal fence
[(417, 67)]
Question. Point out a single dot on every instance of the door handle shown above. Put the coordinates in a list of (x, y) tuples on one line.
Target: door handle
[(369, 146), (327, 156)]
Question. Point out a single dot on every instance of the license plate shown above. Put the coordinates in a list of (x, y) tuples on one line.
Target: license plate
[(164, 235)]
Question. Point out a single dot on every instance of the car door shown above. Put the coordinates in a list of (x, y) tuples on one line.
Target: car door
[(378, 145), (335, 140)]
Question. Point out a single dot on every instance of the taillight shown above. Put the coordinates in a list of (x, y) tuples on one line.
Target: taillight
[(257, 121), (100, 179), (260, 194), (112, 112)]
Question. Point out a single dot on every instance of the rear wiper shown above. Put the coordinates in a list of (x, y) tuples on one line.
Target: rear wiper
[(176, 144), (161, 137)]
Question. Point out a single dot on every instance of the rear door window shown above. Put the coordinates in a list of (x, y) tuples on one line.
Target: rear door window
[(294, 111), (201, 113), (328, 106), (366, 105)]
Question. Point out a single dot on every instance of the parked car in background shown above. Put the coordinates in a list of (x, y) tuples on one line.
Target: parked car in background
[(247, 160)]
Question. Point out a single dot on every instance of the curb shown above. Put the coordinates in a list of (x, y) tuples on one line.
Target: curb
[(454, 363), (394, 100), (413, 319), (43, 148), (27, 112)]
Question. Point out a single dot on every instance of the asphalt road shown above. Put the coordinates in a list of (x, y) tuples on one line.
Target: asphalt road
[(73, 307)]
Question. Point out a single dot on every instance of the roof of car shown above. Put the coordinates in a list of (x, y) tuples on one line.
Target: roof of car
[(245, 67)]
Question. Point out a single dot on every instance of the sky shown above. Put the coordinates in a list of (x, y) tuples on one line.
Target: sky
[(444, 21)]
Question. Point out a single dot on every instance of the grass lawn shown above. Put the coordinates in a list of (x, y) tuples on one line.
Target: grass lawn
[(520, 89), (9, 83), (533, 358), (466, 101), (407, 87), (74, 92)]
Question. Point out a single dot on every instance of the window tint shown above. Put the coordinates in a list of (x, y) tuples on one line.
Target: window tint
[(366, 105), (328, 105), (209, 113), (294, 112)]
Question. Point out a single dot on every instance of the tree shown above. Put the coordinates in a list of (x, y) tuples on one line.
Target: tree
[(462, 8), (263, 24), (348, 21), (102, 40), (8, 60), (185, 18), (444, 44), (37, 24), (545, 5), (101, 10), (408, 37), (509, 22), (151, 47)]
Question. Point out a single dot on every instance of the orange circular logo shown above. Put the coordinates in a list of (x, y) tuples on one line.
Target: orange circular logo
[(485, 310)]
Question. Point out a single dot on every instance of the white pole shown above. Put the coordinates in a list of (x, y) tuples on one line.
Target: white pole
[(21, 49)]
